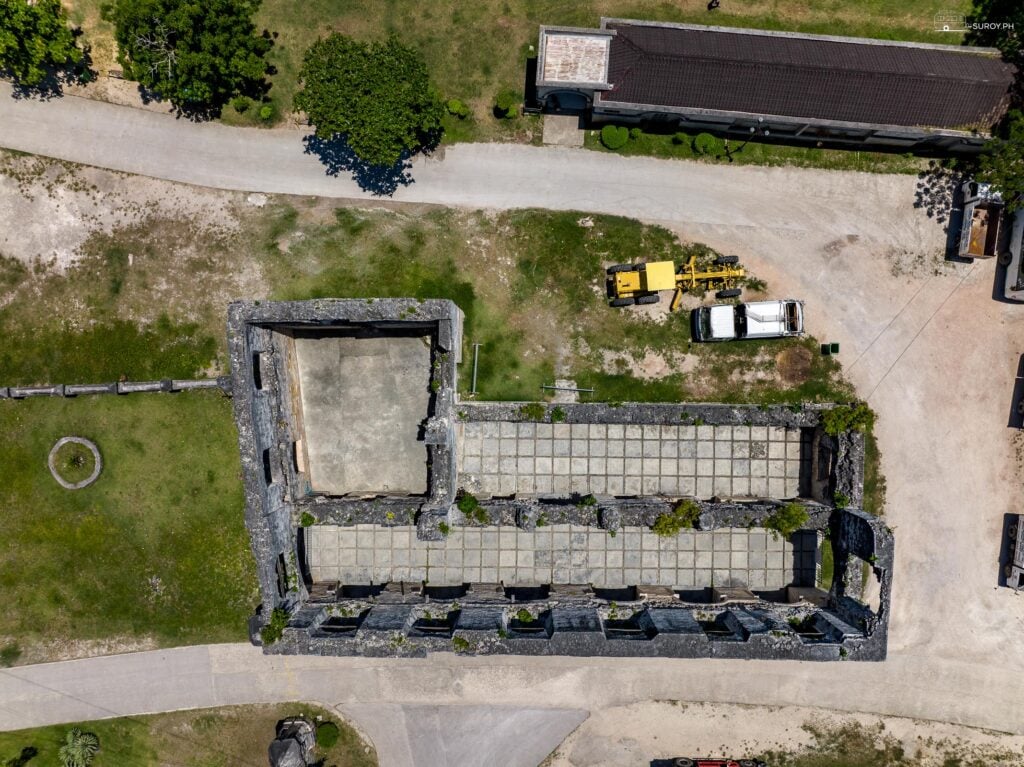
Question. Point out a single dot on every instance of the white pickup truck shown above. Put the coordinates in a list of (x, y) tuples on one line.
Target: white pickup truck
[(760, 319)]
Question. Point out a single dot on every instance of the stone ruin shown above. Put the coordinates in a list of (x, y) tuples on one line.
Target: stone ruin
[(389, 518)]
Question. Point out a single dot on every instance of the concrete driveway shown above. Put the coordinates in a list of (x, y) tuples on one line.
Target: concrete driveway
[(930, 348)]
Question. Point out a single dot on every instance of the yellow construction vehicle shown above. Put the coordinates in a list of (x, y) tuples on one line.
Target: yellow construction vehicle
[(630, 284)]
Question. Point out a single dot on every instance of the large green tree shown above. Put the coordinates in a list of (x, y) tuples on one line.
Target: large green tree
[(35, 40), (1002, 162), (1001, 25), (196, 54), (376, 96)]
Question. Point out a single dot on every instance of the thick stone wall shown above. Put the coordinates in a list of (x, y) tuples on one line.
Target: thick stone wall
[(486, 619), (402, 619), (261, 387)]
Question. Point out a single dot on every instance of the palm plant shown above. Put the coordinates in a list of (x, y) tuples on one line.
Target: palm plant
[(79, 748)]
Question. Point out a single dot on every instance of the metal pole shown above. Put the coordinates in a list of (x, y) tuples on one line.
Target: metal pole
[(476, 359)]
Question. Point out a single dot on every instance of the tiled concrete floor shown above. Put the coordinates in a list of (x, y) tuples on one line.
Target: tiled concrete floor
[(503, 458), (559, 554)]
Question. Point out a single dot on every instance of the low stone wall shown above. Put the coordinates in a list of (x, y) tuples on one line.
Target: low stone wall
[(692, 413), (118, 387)]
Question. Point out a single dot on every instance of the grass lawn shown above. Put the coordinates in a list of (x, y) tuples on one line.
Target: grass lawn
[(531, 284), (217, 737), (154, 549)]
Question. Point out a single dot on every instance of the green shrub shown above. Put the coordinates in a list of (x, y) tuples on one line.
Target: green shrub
[(468, 504), (267, 112), (327, 734), (443, 527), (524, 616), (506, 105), (680, 139), (857, 417), (241, 103), (557, 415), (587, 500), (685, 515), (457, 108), (635, 133), (707, 144), (307, 519), (533, 411), (614, 136), (461, 644), (841, 500), (274, 629), (786, 520), (9, 654)]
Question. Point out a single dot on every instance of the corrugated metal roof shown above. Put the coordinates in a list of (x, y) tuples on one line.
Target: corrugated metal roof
[(793, 76)]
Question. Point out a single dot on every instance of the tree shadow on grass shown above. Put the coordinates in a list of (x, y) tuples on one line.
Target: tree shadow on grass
[(379, 180)]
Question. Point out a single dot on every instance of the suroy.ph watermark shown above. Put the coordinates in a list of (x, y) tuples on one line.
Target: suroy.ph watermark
[(956, 22)]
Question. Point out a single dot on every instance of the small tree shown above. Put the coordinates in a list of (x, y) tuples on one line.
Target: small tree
[(614, 136), (376, 96), (275, 627), (1000, 24), (786, 520), (35, 40), (194, 55), (1002, 161), (457, 108), (79, 748), (506, 105)]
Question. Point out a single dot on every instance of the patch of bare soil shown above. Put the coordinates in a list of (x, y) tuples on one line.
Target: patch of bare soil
[(904, 262), (52, 650), (651, 366), (637, 734), (59, 205), (794, 364)]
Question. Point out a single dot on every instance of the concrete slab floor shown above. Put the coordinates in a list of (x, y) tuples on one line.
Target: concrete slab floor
[(505, 458), (562, 130), (363, 400), (365, 554)]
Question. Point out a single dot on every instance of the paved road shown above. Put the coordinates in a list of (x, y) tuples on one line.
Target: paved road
[(930, 349)]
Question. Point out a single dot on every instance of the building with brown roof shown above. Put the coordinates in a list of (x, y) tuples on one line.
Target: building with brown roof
[(776, 84)]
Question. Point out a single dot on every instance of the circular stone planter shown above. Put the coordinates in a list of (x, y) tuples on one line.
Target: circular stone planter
[(97, 462)]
